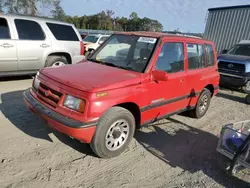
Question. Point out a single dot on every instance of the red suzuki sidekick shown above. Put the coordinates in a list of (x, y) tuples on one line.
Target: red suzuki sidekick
[(132, 79)]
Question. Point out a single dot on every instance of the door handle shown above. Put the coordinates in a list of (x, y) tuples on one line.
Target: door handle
[(44, 45), (181, 80), (6, 45)]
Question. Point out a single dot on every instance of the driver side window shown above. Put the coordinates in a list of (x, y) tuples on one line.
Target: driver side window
[(171, 58)]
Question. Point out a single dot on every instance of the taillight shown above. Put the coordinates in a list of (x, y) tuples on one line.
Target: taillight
[(82, 48)]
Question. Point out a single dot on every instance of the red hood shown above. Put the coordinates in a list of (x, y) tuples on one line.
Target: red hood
[(92, 77)]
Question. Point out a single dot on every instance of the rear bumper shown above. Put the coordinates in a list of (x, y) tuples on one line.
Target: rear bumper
[(79, 130)]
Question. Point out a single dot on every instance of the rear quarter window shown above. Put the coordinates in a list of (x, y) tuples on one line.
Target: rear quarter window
[(63, 32), (209, 55)]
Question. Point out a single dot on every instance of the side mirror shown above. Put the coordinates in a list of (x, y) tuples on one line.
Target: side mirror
[(224, 51), (100, 42), (159, 75)]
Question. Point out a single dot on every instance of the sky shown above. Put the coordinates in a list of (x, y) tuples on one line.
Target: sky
[(187, 15)]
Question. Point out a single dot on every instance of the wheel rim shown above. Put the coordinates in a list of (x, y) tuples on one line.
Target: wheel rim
[(203, 104), (117, 135), (58, 64)]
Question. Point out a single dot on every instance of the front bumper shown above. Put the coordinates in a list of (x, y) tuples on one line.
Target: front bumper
[(79, 130), (233, 80)]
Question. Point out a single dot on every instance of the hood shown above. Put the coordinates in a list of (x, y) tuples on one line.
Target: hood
[(92, 77), (234, 58)]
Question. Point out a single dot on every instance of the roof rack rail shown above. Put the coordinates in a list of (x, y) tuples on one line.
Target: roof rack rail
[(26, 15)]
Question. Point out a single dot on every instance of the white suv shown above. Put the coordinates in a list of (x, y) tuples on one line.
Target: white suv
[(30, 43)]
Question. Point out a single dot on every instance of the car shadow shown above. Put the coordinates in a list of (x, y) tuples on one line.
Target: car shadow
[(13, 107), (191, 149), (15, 78)]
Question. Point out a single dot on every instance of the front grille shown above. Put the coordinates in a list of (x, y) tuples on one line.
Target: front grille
[(233, 68), (48, 95)]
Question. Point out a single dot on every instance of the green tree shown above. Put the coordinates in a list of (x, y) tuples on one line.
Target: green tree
[(25, 6), (58, 12)]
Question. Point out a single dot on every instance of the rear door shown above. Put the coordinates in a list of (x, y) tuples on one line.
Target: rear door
[(32, 44), (8, 48), (197, 72), (212, 66)]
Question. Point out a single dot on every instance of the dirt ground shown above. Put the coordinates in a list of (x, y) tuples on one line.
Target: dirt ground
[(177, 152)]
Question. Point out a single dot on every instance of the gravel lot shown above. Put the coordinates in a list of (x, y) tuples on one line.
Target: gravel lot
[(177, 152)]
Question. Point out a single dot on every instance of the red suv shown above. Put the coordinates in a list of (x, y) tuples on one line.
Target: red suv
[(131, 80)]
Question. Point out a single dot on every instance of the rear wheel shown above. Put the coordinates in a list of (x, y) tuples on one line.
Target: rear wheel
[(114, 132), (56, 61), (202, 104)]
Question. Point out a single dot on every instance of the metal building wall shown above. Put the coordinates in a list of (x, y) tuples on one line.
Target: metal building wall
[(227, 27)]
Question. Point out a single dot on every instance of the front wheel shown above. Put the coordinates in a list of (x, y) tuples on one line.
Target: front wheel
[(202, 104), (114, 132)]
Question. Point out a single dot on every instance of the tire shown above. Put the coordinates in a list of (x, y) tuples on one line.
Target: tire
[(53, 60), (198, 112), (247, 99), (106, 146)]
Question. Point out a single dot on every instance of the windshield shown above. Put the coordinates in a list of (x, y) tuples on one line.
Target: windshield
[(243, 49), (90, 38), (126, 51)]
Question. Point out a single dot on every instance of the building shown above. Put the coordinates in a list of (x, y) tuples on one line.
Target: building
[(227, 26)]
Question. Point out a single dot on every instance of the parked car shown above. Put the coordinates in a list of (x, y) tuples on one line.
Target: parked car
[(103, 99), (234, 66), (28, 44), (93, 41)]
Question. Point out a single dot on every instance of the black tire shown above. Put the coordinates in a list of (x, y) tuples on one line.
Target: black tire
[(197, 113), (247, 99), (53, 59), (100, 139)]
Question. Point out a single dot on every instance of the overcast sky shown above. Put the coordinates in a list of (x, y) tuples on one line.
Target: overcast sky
[(187, 15)]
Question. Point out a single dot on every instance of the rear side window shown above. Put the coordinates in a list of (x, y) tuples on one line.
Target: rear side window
[(29, 30), (195, 56), (210, 55), (4, 29), (63, 32)]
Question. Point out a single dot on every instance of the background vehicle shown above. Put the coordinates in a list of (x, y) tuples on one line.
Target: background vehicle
[(152, 78), (93, 41), (234, 67), (28, 44)]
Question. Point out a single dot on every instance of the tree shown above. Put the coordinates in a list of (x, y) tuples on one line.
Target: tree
[(25, 6), (58, 12)]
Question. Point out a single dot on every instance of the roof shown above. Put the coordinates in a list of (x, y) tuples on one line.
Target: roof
[(229, 7), (156, 34), (36, 18)]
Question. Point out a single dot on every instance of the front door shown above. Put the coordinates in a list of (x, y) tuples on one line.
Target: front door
[(167, 97), (32, 44), (8, 49)]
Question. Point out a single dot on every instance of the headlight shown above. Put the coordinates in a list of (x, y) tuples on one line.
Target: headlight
[(74, 103), (36, 83)]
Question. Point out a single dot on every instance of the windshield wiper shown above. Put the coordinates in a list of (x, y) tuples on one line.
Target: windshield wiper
[(96, 61), (121, 67)]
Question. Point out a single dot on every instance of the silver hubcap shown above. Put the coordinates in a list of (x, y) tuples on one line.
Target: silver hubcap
[(117, 135), (203, 104), (58, 64)]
